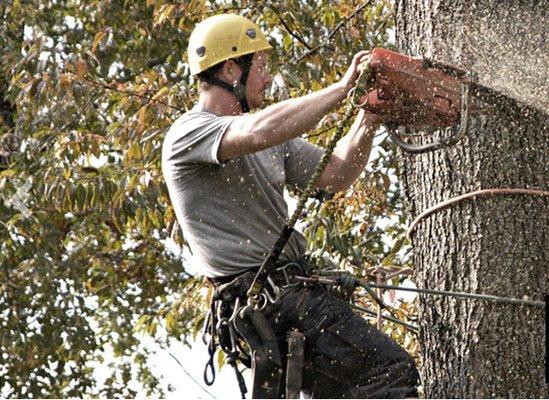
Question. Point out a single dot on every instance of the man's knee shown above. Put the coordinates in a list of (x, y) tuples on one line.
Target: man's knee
[(405, 370)]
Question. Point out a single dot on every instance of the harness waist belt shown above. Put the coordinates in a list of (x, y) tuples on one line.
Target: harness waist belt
[(233, 286)]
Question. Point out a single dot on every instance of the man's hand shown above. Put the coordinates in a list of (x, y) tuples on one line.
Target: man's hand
[(369, 120), (349, 79)]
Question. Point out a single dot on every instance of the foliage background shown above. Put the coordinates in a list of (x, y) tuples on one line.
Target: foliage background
[(88, 90)]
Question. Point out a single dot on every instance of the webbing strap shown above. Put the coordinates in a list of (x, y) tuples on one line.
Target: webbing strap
[(294, 368), (246, 66), (239, 88)]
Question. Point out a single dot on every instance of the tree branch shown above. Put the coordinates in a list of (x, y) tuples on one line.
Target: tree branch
[(132, 93), (185, 371), (297, 36), (332, 33), (381, 26)]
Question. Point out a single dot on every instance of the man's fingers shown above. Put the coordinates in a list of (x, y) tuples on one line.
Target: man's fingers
[(353, 71), (365, 57), (361, 53), (358, 57)]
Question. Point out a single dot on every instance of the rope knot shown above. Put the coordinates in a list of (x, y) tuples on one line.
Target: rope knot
[(346, 281)]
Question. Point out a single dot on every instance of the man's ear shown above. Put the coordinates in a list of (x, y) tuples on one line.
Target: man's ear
[(231, 71)]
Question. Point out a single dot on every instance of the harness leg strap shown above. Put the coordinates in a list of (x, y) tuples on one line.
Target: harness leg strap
[(294, 370), (266, 360)]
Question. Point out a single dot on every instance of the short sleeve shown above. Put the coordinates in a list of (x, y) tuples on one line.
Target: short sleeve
[(301, 159), (195, 138)]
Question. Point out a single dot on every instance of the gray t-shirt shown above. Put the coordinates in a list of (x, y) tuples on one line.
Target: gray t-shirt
[(231, 213)]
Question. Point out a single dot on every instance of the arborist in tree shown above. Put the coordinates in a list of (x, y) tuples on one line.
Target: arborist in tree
[(226, 170)]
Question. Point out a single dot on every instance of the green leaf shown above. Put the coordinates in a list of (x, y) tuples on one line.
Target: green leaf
[(8, 173), (398, 245)]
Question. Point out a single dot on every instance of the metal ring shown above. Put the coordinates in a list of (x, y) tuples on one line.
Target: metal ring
[(276, 291), (262, 307), (350, 96), (236, 309), (284, 270), (205, 327)]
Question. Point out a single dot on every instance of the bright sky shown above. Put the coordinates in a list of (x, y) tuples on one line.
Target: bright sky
[(193, 361)]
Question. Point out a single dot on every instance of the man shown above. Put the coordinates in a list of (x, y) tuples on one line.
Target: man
[(226, 170)]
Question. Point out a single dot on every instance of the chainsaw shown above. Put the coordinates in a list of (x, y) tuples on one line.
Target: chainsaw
[(419, 93)]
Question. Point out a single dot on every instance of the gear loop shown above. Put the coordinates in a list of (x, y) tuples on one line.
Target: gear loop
[(209, 369)]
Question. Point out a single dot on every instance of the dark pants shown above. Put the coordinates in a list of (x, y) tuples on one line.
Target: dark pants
[(345, 356)]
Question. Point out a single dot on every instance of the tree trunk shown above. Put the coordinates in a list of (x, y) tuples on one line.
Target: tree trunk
[(495, 245)]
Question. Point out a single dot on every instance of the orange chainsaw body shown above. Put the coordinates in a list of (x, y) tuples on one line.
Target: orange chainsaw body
[(412, 92)]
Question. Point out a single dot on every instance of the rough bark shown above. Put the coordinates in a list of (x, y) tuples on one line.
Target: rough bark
[(496, 245)]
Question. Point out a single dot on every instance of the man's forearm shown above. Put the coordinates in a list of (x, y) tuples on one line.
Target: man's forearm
[(350, 155)]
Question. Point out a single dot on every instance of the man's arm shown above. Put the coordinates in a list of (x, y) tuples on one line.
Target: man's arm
[(351, 154), (285, 120)]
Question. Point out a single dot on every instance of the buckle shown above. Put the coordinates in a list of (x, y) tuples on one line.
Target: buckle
[(288, 274)]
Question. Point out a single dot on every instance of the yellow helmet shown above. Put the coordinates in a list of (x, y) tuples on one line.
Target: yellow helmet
[(222, 37)]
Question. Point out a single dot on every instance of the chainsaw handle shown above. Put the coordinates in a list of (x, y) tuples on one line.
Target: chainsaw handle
[(445, 68), (423, 148), (351, 98)]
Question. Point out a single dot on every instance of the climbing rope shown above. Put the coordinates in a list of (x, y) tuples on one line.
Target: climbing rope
[(360, 89), (346, 279), (354, 95), (353, 280), (464, 295), (483, 192)]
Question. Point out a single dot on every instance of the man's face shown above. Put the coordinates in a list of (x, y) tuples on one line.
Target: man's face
[(259, 80)]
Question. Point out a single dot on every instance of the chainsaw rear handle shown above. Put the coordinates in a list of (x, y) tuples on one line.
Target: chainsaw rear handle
[(445, 68), (423, 148)]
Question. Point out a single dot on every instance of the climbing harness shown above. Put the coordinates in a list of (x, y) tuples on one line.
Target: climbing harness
[(266, 359), (219, 326), (228, 324)]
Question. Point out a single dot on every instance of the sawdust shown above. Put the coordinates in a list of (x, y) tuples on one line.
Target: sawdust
[(512, 57), (507, 49)]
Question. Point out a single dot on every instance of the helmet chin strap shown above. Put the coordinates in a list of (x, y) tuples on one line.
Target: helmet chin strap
[(238, 88)]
